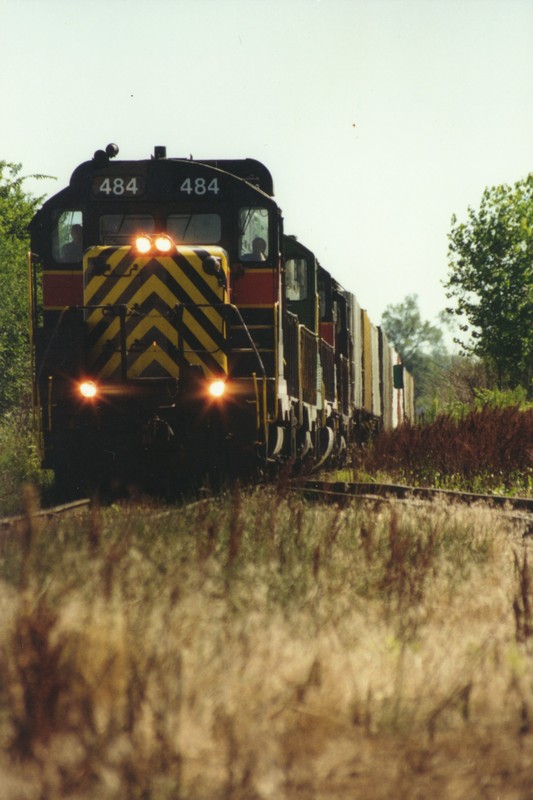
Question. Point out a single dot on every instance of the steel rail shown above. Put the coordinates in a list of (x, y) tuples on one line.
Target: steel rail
[(44, 513), (337, 490)]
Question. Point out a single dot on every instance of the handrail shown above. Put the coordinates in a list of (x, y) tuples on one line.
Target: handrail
[(32, 336)]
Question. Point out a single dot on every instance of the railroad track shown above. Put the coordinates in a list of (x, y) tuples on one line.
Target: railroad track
[(331, 491), (44, 513), (19, 520), (337, 491)]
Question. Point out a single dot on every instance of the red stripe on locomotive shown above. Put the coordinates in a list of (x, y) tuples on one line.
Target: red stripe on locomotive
[(62, 289), (255, 288), (327, 332)]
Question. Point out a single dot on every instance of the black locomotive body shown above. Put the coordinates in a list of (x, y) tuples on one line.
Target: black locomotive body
[(177, 331)]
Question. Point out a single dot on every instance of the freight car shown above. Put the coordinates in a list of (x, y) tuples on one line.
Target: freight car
[(177, 331)]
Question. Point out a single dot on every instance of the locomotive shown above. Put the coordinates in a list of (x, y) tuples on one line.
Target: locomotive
[(177, 331)]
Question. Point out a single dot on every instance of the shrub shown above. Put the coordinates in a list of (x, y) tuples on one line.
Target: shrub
[(490, 449), (19, 459)]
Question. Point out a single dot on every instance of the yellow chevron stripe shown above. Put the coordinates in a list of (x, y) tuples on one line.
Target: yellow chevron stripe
[(192, 290), (111, 367), (116, 288), (162, 324), (144, 325), (218, 252), (152, 285), (112, 262), (207, 342), (92, 287), (196, 262), (196, 360), (110, 332), (144, 360)]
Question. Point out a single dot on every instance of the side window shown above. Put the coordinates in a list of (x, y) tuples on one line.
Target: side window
[(322, 302), (296, 279), (67, 237), (253, 234), (119, 229)]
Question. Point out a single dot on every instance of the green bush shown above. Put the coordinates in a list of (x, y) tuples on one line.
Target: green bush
[(19, 459)]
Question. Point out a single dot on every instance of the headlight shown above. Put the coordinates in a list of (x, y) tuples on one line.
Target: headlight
[(163, 244), (88, 389), (143, 244), (217, 388)]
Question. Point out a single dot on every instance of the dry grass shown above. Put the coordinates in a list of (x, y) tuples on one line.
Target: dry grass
[(257, 647)]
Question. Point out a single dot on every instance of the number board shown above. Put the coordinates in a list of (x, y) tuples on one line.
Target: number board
[(118, 186), (198, 186)]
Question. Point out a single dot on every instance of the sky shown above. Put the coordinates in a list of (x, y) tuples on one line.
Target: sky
[(378, 119)]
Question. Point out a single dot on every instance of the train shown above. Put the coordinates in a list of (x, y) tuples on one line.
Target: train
[(178, 332)]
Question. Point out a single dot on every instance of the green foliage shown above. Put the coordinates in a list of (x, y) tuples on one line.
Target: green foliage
[(485, 398), (498, 398), (16, 210), (19, 460), (14, 322), (491, 281), (421, 347), (410, 335), (17, 207)]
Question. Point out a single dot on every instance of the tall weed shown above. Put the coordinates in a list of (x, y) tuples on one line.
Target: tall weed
[(486, 450), (259, 647)]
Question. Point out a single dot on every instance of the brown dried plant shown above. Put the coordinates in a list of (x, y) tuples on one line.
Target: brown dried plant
[(257, 646)]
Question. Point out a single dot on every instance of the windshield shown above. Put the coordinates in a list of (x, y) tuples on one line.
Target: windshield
[(194, 228), (118, 229)]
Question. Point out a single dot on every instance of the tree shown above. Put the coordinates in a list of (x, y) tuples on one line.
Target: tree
[(409, 334), (16, 210), (420, 345), (491, 282), (17, 207)]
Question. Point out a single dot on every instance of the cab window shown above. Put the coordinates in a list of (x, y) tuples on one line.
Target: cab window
[(67, 237), (194, 228), (253, 234), (322, 302), (119, 229), (296, 279)]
